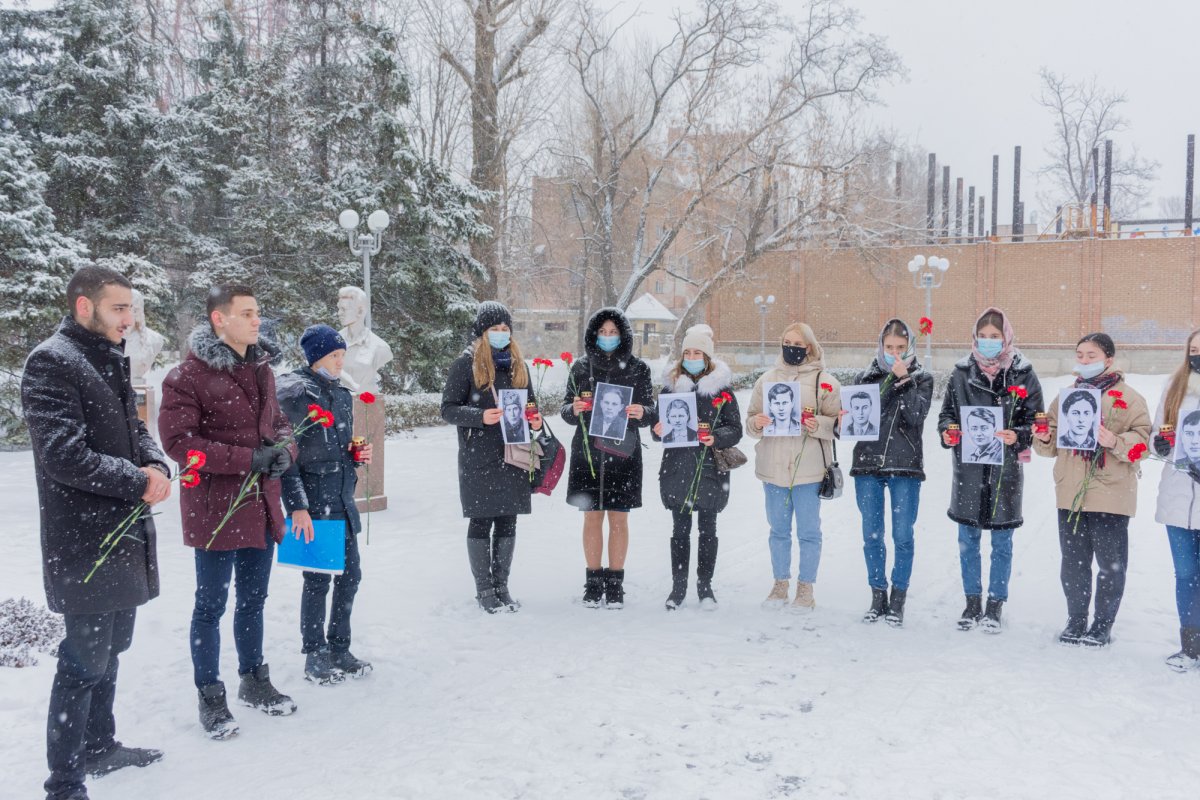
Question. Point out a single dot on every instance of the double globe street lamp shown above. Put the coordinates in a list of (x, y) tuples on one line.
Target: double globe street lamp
[(365, 245), (928, 274), (764, 305)]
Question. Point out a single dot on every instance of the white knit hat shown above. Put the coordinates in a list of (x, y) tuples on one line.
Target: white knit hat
[(700, 337)]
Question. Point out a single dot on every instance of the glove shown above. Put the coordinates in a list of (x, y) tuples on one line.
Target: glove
[(1162, 446), (262, 458), (281, 459)]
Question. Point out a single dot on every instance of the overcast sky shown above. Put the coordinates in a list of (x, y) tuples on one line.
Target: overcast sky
[(972, 77)]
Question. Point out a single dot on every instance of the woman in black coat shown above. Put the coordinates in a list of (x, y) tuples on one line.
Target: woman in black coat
[(493, 492), (988, 496), (682, 490), (603, 482), (895, 461)]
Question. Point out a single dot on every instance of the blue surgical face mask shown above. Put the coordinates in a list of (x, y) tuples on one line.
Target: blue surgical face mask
[(608, 343), (499, 339), (694, 365), (989, 348), (889, 359), (1089, 371)]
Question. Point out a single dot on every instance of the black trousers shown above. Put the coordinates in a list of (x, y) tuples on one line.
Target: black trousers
[(481, 527), (1103, 538), (682, 523)]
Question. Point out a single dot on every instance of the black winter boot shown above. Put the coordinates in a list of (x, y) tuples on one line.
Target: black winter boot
[(991, 616), (347, 663), (215, 718), (1074, 631), (318, 668), (479, 552), (1188, 658), (895, 610), (879, 605), (593, 588), (681, 557), (614, 590), (502, 556), (1099, 635), (706, 565), (971, 614), (118, 756), (256, 691)]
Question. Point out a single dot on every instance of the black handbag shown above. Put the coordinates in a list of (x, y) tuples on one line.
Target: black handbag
[(621, 449), (832, 481)]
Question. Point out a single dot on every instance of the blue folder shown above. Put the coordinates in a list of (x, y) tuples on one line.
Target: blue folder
[(325, 553)]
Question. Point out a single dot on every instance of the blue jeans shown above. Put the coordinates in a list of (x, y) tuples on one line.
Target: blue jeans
[(312, 603), (1185, 552), (81, 699), (250, 569), (805, 505), (972, 569), (906, 497)]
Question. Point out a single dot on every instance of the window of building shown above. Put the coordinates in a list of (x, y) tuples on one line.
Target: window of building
[(556, 326)]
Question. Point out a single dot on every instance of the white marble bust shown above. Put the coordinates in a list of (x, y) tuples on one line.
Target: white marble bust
[(142, 344), (366, 353)]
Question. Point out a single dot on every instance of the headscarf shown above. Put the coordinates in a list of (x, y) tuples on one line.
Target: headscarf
[(910, 355), (992, 366)]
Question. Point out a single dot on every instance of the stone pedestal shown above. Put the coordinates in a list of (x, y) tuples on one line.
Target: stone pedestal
[(369, 423), (147, 407)]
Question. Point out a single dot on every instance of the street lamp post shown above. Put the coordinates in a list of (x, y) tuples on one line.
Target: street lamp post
[(764, 305), (365, 245), (928, 274)]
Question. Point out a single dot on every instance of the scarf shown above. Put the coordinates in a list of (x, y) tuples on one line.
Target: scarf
[(992, 366), (502, 359), (1102, 382), (910, 354)]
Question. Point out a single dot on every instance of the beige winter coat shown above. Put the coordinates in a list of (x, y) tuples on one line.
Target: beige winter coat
[(1114, 487), (775, 456)]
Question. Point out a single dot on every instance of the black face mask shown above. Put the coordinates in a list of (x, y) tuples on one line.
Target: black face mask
[(1194, 363), (794, 355)]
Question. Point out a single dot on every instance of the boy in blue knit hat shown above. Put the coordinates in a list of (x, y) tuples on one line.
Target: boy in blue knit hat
[(320, 485)]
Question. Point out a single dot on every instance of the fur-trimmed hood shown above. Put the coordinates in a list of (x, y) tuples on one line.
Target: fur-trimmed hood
[(710, 385), (207, 346)]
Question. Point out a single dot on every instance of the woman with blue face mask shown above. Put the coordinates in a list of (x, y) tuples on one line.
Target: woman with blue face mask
[(688, 482), (988, 496), (895, 462), (605, 478), (1099, 530), (493, 492)]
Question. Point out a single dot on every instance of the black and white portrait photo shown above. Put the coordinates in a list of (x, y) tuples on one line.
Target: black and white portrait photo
[(513, 424), (1078, 418), (980, 445), (861, 422), (1187, 439), (608, 414), (679, 419), (782, 403)]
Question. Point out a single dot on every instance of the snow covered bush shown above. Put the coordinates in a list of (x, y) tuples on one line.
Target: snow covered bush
[(26, 629)]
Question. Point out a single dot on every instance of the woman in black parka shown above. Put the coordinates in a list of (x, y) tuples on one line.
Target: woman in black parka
[(602, 483), (492, 491), (988, 496), (698, 371)]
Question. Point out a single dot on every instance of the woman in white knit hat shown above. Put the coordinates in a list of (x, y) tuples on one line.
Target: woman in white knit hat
[(688, 479)]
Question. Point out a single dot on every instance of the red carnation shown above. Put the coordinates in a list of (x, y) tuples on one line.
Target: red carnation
[(567, 357), (326, 419), (314, 411), (1137, 451), (925, 326), (189, 479), (366, 397), (196, 459), (1118, 403), (727, 397), (718, 401), (1018, 391), (827, 387)]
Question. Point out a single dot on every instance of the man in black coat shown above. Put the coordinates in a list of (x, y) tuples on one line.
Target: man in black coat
[(95, 461)]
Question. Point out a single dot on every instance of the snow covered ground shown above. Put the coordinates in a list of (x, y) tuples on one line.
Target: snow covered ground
[(560, 701)]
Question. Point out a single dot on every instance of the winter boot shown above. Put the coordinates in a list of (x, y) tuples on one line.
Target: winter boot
[(614, 589), (879, 605), (215, 718), (779, 595), (991, 616), (1188, 658), (593, 588), (479, 552), (971, 614), (118, 756), (318, 668), (1099, 635), (895, 610), (502, 556), (706, 565), (681, 556), (1074, 631), (804, 602), (256, 691), (348, 664)]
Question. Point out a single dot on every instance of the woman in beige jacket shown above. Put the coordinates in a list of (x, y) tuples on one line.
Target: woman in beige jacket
[(1096, 490), (791, 467)]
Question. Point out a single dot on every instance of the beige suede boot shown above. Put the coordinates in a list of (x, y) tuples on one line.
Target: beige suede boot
[(779, 595), (804, 601)]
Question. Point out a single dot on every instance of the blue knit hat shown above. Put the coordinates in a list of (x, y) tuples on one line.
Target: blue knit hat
[(318, 341)]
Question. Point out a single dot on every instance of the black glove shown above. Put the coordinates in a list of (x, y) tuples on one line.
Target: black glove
[(262, 458), (281, 459), (1162, 446)]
